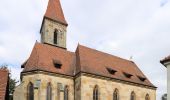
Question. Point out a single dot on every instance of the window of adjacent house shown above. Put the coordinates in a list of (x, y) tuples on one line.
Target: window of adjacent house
[(66, 93), (96, 93), (30, 88), (55, 36), (49, 92), (147, 97), (133, 96), (116, 95)]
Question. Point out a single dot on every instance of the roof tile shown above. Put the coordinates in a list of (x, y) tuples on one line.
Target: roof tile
[(83, 60)]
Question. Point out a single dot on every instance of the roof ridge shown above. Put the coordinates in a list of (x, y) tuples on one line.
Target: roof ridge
[(105, 53), (78, 62), (36, 51)]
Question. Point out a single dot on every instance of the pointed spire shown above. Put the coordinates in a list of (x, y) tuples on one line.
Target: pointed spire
[(54, 11)]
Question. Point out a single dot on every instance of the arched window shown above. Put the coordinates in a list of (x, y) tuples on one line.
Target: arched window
[(49, 92), (96, 93), (133, 96), (55, 36), (66, 93), (116, 95), (147, 97), (30, 91)]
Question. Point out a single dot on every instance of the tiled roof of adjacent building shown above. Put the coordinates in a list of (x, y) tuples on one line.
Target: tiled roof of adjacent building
[(44, 57), (3, 83), (54, 11), (166, 59)]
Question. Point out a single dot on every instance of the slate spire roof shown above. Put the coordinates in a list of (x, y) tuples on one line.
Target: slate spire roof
[(54, 12), (83, 60)]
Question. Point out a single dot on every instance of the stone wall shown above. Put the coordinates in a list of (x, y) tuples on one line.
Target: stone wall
[(107, 87), (78, 88), (20, 92), (47, 34), (83, 85)]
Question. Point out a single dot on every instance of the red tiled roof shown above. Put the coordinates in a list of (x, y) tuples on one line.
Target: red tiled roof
[(55, 12), (3, 83), (43, 56), (96, 62), (166, 59), (83, 60)]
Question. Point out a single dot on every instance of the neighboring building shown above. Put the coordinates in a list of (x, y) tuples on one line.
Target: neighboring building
[(54, 73), (4, 84), (166, 63), (164, 97)]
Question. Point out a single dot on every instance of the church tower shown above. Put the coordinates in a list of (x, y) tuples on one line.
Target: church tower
[(54, 26)]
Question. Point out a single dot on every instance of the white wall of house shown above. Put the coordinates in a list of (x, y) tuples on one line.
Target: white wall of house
[(168, 80), (167, 64)]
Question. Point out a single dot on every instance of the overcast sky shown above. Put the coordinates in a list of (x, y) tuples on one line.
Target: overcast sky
[(125, 28)]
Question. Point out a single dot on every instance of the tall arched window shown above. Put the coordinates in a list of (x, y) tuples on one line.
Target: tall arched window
[(66, 93), (116, 95), (49, 91), (55, 36), (133, 96), (30, 91), (96, 93), (147, 97)]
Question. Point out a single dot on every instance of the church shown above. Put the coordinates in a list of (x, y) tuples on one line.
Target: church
[(53, 73)]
